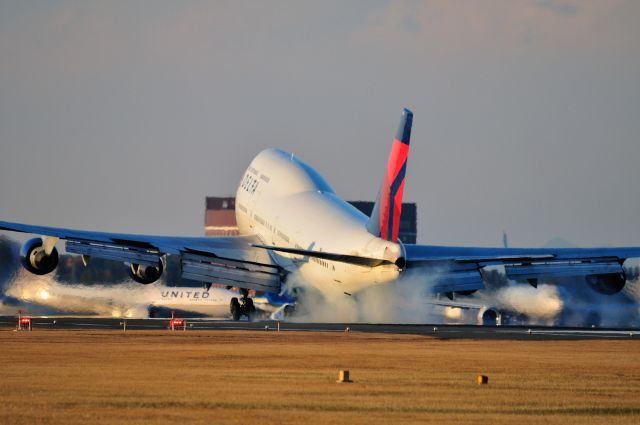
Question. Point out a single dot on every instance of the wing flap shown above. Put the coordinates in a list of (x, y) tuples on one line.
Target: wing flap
[(454, 278), (469, 280), (208, 268), (521, 273), (126, 254)]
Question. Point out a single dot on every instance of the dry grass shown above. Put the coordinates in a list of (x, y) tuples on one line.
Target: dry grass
[(203, 377)]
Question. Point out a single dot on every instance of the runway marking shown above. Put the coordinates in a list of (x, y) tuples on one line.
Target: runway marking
[(270, 328), (580, 331), (603, 334), (143, 326), (89, 324), (590, 332)]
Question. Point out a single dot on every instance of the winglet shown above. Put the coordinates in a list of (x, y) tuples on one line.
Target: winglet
[(385, 217)]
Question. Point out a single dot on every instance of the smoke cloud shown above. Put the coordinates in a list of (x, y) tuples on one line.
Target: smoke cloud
[(404, 301), (44, 295), (410, 301), (542, 303)]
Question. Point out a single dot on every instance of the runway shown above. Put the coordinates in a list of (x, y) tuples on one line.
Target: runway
[(437, 331)]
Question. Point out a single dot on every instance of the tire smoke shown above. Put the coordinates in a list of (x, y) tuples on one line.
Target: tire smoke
[(404, 301)]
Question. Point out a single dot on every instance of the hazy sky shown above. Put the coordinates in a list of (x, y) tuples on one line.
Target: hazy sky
[(123, 116)]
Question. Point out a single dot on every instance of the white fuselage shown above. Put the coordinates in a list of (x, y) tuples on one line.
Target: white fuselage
[(46, 296), (213, 302), (288, 204)]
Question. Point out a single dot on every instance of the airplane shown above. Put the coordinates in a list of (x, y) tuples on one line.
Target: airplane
[(48, 297), (292, 223)]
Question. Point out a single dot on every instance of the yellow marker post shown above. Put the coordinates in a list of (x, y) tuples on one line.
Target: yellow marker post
[(343, 377)]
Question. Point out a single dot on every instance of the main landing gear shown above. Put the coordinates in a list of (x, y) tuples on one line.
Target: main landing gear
[(289, 310), (242, 307)]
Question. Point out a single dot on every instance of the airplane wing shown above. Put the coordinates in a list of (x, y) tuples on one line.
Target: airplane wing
[(228, 260), (458, 269)]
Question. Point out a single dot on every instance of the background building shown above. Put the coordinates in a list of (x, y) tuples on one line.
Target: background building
[(408, 221), (220, 217)]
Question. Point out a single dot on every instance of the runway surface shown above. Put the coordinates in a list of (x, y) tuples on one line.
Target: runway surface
[(438, 331)]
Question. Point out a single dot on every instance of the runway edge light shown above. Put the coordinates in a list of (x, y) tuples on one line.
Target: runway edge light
[(177, 324), (24, 322)]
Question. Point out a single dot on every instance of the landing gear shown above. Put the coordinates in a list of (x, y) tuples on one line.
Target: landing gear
[(242, 307), (250, 309), (235, 309), (289, 310)]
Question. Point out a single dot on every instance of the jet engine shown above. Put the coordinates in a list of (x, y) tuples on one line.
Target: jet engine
[(606, 284), (34, 258), (145, 274), (489, 316)]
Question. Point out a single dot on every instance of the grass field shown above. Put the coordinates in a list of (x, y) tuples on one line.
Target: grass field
[(206, 377)]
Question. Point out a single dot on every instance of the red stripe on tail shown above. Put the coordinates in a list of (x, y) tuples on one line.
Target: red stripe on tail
[(391, 191)]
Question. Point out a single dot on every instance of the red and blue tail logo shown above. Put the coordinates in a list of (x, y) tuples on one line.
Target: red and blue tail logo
[(385, 218)]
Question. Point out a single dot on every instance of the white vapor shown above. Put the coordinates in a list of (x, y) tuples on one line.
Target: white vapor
[(541, 303), (44, 293), (404, 301)]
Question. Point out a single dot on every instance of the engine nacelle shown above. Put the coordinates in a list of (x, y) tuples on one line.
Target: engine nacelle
[(145, 274), (466, 293), (35, 260), (606, 284), (489, 316)]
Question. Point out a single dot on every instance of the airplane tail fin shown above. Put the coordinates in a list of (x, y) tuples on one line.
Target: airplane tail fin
[(385, 217)]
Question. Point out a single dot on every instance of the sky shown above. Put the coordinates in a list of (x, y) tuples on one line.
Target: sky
[(122, 116)]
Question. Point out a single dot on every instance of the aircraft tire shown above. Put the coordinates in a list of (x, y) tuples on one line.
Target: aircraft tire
[(249, 306), (249, 309), (235, 309), (289, 310)]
